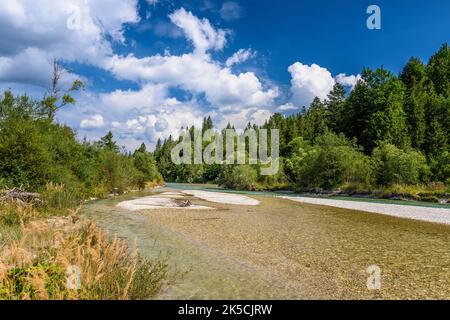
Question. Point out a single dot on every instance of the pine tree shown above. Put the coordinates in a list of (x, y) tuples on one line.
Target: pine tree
[(335, 101), (414, 78), (108, 142), (438, 70)]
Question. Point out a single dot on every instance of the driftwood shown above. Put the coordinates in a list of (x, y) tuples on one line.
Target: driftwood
[(183, 203), (19, 194)]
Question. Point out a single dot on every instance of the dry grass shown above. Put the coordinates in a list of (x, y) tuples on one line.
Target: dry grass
[(43, 260)]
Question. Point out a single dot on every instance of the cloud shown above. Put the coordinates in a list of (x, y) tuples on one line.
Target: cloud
[(287, 107), (240, 56), (240, 119), (202, 35), (86, 32), (31, 66), (95, 121), (165, 29), (231, 11), (134, 116), (308, 82), (198, 75), (33, 34), (348, 81)]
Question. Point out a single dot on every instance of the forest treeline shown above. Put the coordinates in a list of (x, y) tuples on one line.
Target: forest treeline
[(388, 131), (37, 153)]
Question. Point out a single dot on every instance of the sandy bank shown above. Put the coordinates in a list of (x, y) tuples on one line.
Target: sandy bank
[(226, 198), (436, 215)]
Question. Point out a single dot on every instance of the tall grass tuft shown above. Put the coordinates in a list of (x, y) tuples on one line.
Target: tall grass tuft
[(37, 264), (56, 199)]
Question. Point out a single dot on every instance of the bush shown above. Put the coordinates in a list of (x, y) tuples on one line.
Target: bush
[(241, 177), (24, 159), (118, 172), (145, 163), (440, 167), (332, 162), (396, 166)]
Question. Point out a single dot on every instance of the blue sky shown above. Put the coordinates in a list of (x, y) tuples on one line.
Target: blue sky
[(152, 66)]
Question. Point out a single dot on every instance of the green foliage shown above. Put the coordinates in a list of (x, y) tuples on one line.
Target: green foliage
[(315, 122), (35, 151), (440, 166), (20, 287), (14, 213), (334, 104), (117, 171), (24, 159), (438, 70), (374, 111), (107, 142), (331, 162), (241, 177), (57, 198), (146, 164), (396, 166)]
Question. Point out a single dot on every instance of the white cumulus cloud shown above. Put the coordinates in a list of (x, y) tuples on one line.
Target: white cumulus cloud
[(93, 122), (34, 32), (309, 82), (203, 36)]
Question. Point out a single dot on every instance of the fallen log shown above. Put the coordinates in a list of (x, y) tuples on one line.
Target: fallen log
[(20, 195)]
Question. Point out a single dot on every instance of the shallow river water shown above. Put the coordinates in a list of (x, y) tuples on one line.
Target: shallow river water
[(284, 250)]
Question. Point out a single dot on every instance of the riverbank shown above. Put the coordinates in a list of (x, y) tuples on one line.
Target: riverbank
[(436, 194), (435, 215)]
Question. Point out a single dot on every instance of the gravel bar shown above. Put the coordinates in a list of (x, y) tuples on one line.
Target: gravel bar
[(436, 215)]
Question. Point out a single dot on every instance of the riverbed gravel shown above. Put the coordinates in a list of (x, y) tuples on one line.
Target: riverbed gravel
[(436, 215)]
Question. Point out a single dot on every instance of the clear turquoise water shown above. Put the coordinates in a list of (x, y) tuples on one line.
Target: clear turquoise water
[(284, 250)]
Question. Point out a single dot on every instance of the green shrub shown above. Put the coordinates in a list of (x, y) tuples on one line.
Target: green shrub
[(440, 167), (396, 166), (241, 177), (332, 162)]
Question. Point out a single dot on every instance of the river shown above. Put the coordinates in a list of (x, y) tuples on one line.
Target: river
[(283, 250)]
